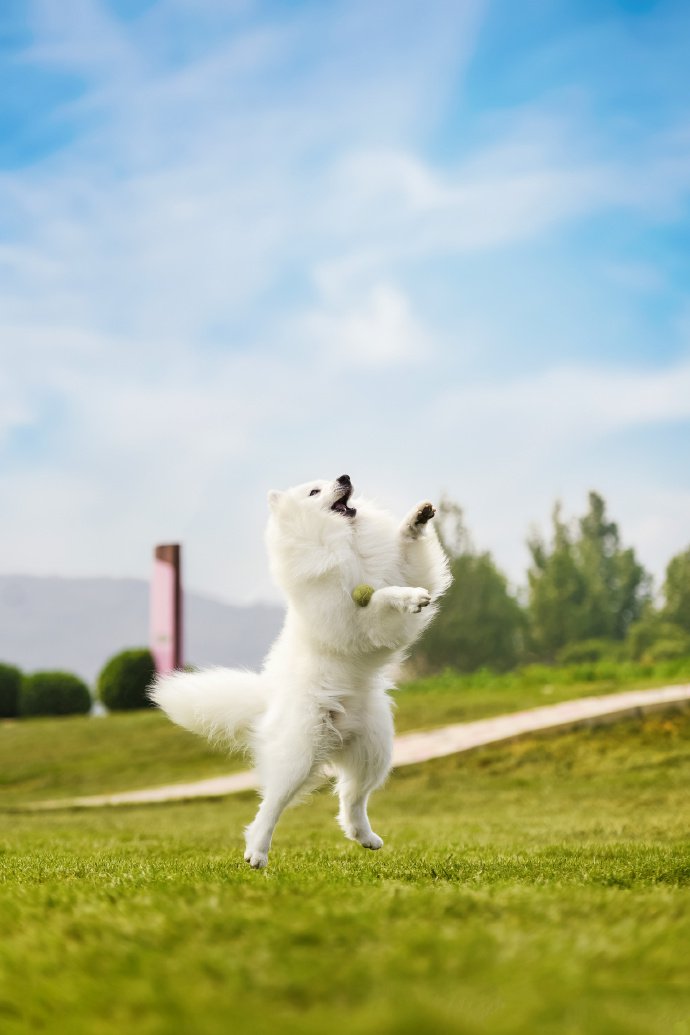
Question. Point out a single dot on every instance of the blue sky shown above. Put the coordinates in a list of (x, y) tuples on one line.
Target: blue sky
[(441, 246)]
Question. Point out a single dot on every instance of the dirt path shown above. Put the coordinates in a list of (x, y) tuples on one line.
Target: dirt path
[(411, 748)]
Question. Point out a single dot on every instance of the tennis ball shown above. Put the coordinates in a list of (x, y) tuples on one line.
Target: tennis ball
[(362, 594)]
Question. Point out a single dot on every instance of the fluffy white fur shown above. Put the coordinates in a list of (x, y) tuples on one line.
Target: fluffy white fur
[(321, 697)]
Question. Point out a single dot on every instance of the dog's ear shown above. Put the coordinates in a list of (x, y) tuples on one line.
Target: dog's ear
[(274, 498)]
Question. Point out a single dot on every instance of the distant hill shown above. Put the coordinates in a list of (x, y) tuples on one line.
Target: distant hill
[(77, 624)]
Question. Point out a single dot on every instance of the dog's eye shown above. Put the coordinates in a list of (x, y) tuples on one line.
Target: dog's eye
[(315, 492)]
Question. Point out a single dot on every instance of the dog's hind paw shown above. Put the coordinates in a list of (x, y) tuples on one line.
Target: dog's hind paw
[(256, 859), (371, 840)]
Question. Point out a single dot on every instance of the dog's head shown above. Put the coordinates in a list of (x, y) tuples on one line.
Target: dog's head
[(316, 499), (310, 525)]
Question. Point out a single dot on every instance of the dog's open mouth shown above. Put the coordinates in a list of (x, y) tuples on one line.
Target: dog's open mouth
[(340, 506)]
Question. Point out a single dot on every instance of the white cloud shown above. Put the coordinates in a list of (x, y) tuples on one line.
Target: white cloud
[(565, 404), (14, 413), (381, 332)]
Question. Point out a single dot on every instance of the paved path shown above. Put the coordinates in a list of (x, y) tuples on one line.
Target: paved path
[(411, 748)]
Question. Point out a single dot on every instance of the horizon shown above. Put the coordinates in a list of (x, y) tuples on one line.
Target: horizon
[(187, 590), (517, 589)]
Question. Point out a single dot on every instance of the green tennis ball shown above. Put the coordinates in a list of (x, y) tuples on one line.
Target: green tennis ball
[(362, 594)]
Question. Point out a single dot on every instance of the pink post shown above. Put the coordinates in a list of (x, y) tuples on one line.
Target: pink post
[(166, 609)]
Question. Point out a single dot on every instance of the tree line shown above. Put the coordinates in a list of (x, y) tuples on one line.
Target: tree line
[(587, 597)]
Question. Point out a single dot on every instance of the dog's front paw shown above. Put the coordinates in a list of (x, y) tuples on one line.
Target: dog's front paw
[(257, 859), (425, 512), (418, 518), (411, 601)]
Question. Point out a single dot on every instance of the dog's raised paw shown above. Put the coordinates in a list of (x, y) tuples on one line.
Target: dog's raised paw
[(416, 521), (425, 512), (372, 841)]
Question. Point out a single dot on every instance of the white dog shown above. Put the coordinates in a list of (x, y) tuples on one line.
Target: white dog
[(321, 697)]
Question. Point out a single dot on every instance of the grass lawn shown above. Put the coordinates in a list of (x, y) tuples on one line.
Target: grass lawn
[(451, 697), (75, 755), (535, 887), (69, 756)]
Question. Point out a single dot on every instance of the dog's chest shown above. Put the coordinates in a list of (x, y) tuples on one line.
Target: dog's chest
[(377, 563)]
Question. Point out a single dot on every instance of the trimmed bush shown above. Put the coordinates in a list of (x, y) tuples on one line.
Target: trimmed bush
[(53, 693), (125, 678), (10, 682)]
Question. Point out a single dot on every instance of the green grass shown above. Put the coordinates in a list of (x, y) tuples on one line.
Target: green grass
[(66, 757), (537, 887), (75, 755), (452, 697)]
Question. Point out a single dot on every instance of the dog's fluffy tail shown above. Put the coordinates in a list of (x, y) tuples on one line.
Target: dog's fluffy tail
[(218, 703)]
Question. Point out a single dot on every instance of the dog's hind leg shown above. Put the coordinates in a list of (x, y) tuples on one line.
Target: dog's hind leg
[(362, 766), (287, 766), (353, 817)]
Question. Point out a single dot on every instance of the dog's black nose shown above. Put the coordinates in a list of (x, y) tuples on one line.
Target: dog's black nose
[(344, 479)]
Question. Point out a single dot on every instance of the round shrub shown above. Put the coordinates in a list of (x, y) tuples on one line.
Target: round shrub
[(53, 693), (588, 650), (645, 634), (10, 682), (670, 649), (125, 678)]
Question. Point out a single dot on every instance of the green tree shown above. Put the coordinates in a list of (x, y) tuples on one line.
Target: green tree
[(583, 586), (617, 584), (556, 590), (479, 623), (677, 591)]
